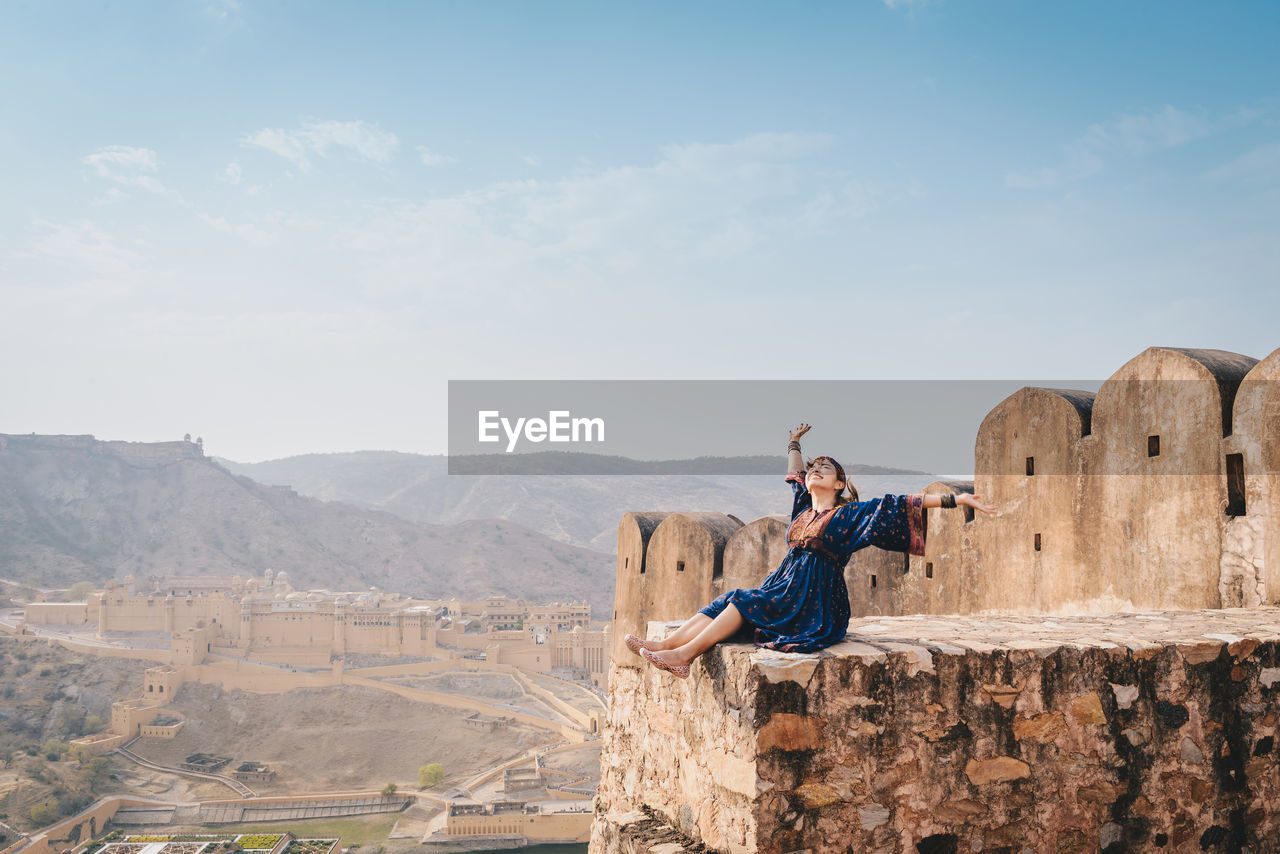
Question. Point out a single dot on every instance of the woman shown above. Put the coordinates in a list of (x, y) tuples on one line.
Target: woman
[(803, 605)]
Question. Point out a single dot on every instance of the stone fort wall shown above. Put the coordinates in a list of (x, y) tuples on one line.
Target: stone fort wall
[(1158, 491)]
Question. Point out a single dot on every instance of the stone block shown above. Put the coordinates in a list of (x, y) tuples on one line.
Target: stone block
[(1001, 769), (789, 732), (1087, 710)]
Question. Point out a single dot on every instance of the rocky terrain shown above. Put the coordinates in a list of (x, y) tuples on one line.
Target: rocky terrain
[(315, 739), (48, 696), (319, 739)]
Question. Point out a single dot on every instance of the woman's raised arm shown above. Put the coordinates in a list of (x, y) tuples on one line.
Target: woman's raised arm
[(795, 460)]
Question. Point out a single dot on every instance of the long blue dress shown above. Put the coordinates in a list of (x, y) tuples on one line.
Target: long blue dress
[(803, 605)]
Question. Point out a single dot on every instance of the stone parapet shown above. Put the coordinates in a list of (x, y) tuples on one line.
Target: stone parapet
[(1143, 731)]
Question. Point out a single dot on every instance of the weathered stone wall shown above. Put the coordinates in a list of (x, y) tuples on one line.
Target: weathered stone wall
[(1142, 732), (1148, 731)]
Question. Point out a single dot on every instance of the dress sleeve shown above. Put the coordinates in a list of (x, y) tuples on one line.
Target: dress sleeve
[(894, 523), (802, 500)]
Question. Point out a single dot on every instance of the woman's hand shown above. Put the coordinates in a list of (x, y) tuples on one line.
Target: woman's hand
[(797, 432), (965, 499)]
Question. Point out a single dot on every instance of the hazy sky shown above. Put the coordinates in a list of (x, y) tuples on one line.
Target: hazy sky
[(284, 226)]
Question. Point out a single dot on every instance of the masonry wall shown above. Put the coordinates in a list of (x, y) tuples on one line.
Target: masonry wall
[(950, 744)]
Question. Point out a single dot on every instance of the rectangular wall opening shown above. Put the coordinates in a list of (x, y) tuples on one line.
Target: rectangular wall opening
[(1235, 485), (873, 581), (1037, 542), (928, 569), (679, 566), (1153, 446), (626, 562), (1031, 466)]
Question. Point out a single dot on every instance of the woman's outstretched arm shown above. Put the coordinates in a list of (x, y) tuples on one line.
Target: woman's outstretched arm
[(964, 499)]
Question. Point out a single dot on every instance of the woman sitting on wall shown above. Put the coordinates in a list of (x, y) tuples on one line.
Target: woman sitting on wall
[(803, 605)]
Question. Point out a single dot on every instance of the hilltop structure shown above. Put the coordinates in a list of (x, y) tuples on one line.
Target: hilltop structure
[(1158, 496)]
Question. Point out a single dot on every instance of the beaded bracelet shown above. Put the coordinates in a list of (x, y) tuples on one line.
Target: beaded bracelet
[(793, 446), (948, 500)]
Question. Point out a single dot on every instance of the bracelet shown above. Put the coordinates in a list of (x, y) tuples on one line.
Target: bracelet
[(793, 445), (949, 500)]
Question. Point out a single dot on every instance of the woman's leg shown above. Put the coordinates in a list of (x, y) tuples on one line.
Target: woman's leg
[(687, 632), (722, 627)]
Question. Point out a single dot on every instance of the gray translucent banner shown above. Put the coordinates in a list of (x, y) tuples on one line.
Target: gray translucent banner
[(931, 426)]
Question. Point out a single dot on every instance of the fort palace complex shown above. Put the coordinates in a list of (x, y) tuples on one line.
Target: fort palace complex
[(266, 620)]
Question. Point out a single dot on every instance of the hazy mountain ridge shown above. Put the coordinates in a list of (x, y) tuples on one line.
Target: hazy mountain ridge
[(74, 508), (577, 509)]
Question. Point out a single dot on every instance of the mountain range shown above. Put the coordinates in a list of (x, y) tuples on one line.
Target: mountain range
[(75, 508)]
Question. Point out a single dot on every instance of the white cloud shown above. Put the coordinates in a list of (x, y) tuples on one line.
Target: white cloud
[(233, 174), (83, 246), (1133, 135), (225, 11), (317, 139), (1262, 162), (245, 231), (531, 159), (696, 202), (430, 158), (126, 165)]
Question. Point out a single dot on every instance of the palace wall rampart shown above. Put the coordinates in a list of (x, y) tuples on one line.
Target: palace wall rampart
[(1149, 725), (1155, 492)]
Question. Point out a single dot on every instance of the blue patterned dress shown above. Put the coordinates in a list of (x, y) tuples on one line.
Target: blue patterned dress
[(803, 605)]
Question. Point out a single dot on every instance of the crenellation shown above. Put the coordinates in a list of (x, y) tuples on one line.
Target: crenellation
[(1094, 514)]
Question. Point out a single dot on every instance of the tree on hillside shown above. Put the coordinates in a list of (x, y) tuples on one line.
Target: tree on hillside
[(79, 592), (430, 776), (45, 812), (54, 749), (95, 771), (389, 790)]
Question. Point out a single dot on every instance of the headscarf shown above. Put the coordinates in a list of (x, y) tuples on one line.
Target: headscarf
[(839, 468)]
